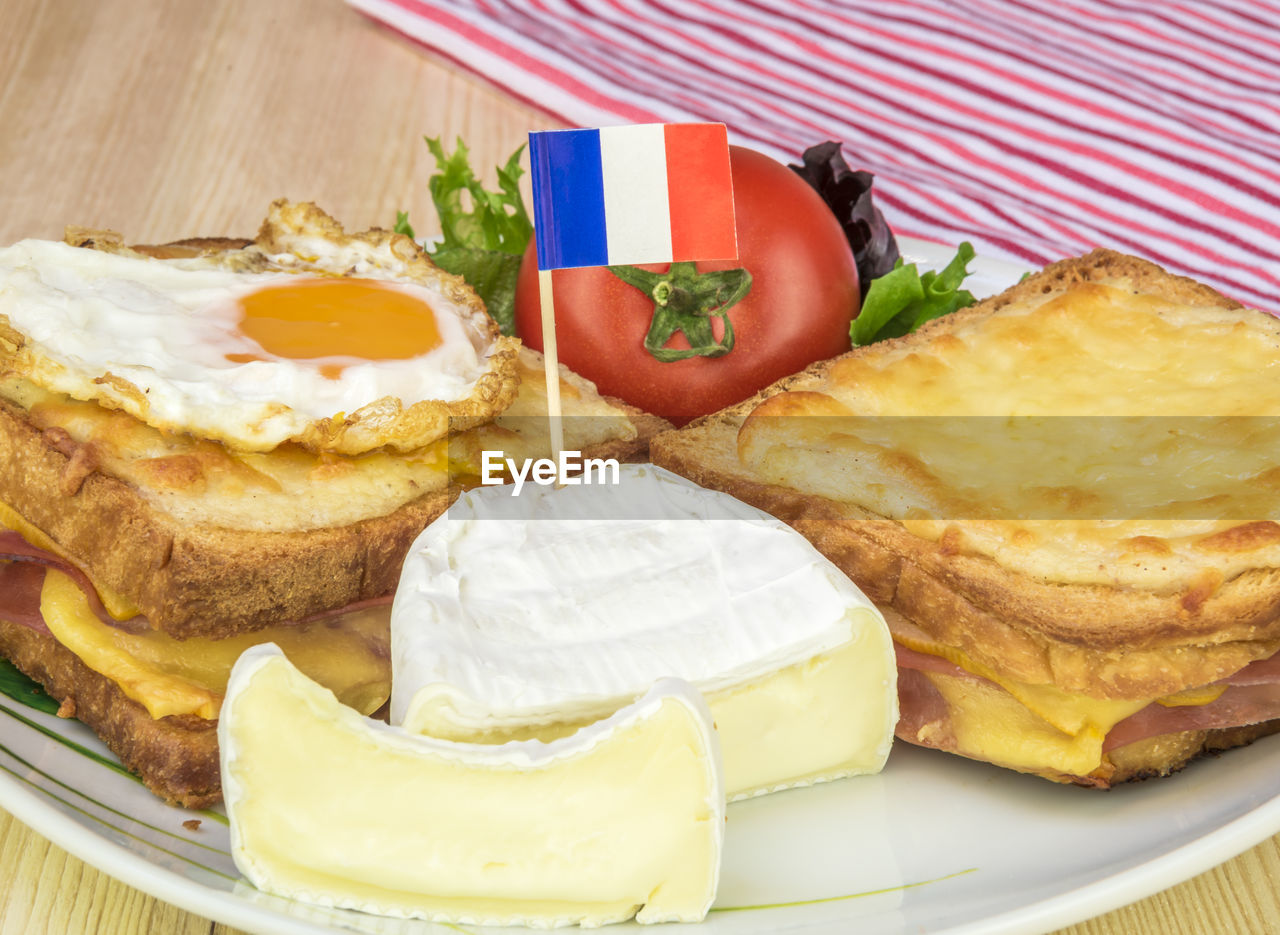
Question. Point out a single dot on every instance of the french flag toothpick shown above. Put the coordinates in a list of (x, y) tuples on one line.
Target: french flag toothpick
[(621, 196), (644, 193)]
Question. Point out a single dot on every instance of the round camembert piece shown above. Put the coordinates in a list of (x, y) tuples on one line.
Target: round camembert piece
[(532, 616)]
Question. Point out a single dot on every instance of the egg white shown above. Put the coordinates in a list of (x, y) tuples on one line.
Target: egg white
[(152, 336)]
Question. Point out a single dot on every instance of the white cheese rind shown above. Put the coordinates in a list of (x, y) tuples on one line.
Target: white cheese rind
[(532, 615), (337, 810)]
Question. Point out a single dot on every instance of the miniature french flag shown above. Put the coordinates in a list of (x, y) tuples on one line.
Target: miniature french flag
[(643, 193)]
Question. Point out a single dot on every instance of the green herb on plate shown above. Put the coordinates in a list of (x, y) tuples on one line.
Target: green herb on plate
[(24, 690)]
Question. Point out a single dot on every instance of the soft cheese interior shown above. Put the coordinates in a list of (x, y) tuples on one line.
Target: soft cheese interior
[(624, 818), (531, 616)]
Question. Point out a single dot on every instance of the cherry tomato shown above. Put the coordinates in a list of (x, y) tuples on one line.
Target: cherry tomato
[(803, 295)]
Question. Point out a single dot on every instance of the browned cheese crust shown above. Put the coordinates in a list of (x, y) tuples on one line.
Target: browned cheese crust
[(177, 757), (1104, 641)]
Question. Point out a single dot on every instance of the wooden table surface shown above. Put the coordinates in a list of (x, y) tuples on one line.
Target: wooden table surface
[(171, 118)]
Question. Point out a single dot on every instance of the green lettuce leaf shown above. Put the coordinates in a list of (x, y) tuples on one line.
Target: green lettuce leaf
[(491, 273), (496, 220), (484, 233), (403, 226), (903, 299), (848, 195)]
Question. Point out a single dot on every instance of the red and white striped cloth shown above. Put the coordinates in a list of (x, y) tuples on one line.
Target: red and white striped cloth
[(1036, 129)]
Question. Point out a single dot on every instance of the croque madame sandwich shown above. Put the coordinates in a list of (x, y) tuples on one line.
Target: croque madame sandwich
[(217, 443), (1063, 499)]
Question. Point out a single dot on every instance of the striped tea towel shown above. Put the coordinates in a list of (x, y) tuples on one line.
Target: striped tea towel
[(1036, 129)]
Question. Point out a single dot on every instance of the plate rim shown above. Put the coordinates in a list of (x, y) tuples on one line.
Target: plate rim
[(1089, 901), (1137, 882)]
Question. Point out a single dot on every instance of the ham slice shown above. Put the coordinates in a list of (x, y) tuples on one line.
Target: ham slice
[(1252, 695), (1238, 706), (15, 550), (924, 717), (917, 661), (20, 584)]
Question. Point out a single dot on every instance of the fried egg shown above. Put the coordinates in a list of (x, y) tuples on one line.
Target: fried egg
[(338, 342)]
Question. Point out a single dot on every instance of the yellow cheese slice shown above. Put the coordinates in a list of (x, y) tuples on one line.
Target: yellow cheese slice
[(1025, 726), (990, 724), (1068, 712), (168, 676), (1193, 697), (117, 605), (623, 818)]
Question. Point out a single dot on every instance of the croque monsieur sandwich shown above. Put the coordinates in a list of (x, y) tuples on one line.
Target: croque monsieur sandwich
[(217, 443), (1062, 498)]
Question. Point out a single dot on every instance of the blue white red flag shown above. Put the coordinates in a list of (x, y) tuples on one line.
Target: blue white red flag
[(643, 193)]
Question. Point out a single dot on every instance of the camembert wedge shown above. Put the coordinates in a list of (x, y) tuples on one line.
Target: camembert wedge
[(624, 818)]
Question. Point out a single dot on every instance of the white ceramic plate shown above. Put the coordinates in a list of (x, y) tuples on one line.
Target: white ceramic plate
[(935, 844)]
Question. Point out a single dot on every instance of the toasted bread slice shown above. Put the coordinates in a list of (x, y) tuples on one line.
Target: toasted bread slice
[(1087, 606), (177, 757), (117, 510)]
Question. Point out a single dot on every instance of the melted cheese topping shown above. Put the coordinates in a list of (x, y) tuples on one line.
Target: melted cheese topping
[(990, 724), (330, 808), (170, 677), (1094, 349), (1068, 712), (1172, 423)]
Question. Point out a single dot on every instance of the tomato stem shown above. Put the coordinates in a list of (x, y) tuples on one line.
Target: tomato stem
[(686, 301)]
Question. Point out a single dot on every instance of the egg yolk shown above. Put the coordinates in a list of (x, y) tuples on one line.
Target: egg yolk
[(352, 318)]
